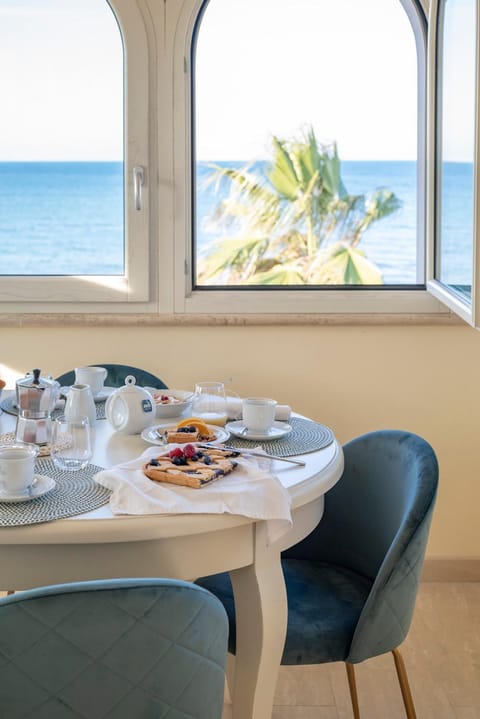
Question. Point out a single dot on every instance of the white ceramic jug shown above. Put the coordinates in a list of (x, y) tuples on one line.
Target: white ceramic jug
[(80, 403), (129, 409)]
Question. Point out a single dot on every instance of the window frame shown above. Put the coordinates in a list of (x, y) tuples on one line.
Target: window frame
[(469, 312), (351, 300), (109, 292)]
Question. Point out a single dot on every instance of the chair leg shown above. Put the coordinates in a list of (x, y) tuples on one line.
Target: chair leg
[(352, 685), (10, 591), (404, 685)]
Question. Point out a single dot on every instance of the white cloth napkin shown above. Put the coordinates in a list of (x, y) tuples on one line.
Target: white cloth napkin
[(248, 491), (234, 410)]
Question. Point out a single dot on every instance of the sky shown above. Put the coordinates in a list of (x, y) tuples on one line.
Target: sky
[(263, 68)]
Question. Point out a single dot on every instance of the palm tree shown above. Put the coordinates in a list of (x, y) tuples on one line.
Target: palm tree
[(294, 225)]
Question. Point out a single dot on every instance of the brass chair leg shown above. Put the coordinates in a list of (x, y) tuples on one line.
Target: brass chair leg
[(404, 685), (10, 591), (352, 685)]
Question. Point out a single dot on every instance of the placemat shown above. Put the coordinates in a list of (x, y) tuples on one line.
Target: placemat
[(8, 406), (74, 493), (306, 436), (9, 438)]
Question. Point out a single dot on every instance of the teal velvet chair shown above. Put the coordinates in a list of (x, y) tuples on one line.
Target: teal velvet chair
[(116, 649), (352, 583), (116, 376)]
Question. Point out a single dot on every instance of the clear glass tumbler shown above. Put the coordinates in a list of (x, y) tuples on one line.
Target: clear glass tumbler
[(210, 403), (71, 443)]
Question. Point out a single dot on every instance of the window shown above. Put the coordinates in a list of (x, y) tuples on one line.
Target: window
[(270, 89), (455, 148), (73, 152)]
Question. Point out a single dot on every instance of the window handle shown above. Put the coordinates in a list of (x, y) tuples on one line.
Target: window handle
[(138, 181)]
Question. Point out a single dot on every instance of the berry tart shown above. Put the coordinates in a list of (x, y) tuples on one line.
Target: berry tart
[(189, 430), (190, 466)]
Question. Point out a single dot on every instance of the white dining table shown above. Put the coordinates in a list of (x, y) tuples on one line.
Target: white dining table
[(99, 545)]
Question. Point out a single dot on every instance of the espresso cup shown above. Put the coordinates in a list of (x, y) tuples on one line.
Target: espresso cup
[(93, 376), (258, 413), (17, 467)]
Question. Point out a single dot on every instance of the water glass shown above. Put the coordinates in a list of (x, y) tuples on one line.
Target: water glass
[(71, 443), (210, 403)]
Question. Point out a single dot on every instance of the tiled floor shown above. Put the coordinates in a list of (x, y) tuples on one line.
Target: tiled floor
[(442, 655)]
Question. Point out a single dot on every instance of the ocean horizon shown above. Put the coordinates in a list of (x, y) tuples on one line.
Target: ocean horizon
[(65, 218)]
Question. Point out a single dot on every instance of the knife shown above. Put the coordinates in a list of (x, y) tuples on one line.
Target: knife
[(298, 462)]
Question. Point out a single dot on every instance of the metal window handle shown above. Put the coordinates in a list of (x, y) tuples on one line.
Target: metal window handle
[(138, 181)]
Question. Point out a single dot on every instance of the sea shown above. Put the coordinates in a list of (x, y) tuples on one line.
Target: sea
[(66, 218)]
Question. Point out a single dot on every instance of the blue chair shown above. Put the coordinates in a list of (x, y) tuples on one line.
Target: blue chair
[(122, 649), (352, 583), (116, 376)]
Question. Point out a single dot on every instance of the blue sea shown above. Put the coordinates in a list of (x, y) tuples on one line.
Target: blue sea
[(64, 218)]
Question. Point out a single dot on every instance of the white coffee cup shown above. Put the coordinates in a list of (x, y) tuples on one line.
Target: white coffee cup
[(17, 467), (258, 413), (93, 376)]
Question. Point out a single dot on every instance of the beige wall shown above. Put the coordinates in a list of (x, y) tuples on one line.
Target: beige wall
[(354, 379)]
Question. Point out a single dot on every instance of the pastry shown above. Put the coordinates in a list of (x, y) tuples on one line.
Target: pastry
[(190, 466), (191, 430)]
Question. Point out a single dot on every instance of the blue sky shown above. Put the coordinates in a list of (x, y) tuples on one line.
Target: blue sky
[(263, 67)]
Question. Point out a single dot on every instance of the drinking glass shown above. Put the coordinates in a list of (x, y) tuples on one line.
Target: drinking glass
[(210, 403), (71, 443)]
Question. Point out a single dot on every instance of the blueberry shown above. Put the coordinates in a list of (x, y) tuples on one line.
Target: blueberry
[(182, 460), (177, 461), (207, 460), (199, 454), (154, 462)]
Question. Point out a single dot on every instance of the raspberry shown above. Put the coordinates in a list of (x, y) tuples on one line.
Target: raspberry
[(189, 451), (177, 452)]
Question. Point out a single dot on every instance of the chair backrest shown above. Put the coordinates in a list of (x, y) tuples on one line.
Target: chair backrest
[(116, 376), (376, 523), (120, 649)]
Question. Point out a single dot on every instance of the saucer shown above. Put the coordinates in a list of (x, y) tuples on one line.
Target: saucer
[(154, 433), (277, 430), (40, 486)]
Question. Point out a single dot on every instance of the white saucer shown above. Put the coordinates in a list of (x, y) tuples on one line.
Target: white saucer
[(100, 397), (278, 429), (153, 434), (41, 485)]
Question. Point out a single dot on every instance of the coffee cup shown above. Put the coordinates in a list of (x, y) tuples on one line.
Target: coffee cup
[(17, 467), (258, 413), (93, 376)]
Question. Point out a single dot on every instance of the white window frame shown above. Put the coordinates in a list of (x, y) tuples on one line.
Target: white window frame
[(469, 312), (115, 293), (355, 300)]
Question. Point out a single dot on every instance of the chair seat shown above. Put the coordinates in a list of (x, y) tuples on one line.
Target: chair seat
[(333, 595)]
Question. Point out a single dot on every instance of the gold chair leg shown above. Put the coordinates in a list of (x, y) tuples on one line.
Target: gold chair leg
[(404, 685), (10, 591), (352, 685)]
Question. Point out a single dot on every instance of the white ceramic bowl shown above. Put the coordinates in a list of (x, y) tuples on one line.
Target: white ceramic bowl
[(181, 401)]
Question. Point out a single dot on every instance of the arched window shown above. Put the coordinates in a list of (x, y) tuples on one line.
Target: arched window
[(306, 144), (66, 166)]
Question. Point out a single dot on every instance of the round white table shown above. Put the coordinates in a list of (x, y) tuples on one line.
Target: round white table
[(98, 545)]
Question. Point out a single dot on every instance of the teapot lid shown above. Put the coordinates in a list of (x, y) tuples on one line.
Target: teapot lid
[(32, 380)]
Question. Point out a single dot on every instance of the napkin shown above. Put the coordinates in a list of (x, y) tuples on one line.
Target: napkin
[(249, 491), (234, 410)]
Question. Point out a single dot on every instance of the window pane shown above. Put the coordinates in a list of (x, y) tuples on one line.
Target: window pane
[(455, 146), (61, 139), (306, 143)]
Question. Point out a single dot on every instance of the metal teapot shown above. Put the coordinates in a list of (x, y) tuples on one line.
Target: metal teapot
[(36, 399)]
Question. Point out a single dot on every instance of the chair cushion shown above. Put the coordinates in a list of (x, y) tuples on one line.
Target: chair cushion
[(334, 596)]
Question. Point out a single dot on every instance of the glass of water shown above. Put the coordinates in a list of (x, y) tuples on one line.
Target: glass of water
[(71, 443)]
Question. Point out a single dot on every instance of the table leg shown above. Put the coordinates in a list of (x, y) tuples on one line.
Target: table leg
[(261, 618)]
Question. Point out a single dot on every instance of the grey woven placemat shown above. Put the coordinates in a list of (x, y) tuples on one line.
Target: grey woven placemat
[(74, 493), (8, 405), (306, 436)]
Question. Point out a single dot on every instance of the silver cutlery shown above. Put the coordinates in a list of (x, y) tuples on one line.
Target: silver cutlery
[(251, 453)]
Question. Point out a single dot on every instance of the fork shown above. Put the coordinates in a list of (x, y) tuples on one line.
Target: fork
[(251, 453)]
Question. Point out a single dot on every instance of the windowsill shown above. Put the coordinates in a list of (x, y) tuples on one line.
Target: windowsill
[(224, 320)]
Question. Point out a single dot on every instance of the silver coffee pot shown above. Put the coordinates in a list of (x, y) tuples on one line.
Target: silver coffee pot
[(36, 399)]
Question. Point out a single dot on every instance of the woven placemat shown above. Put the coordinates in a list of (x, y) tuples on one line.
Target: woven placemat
[(74, 493), (8, 405), (306, 436)]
